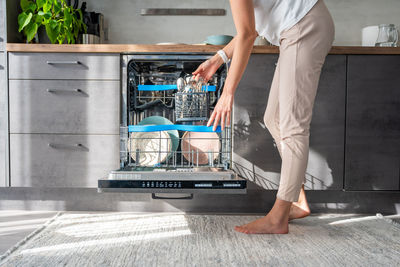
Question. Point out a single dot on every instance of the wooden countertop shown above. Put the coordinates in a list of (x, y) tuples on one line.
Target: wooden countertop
[(130, 48)]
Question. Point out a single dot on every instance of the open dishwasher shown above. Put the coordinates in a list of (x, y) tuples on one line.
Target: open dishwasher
[(165, 145)]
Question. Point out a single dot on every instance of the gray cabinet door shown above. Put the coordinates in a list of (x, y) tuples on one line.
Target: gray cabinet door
[(254, 155), (3, 119), (46, 160), (64, 66), (373, 123), (64, 106)]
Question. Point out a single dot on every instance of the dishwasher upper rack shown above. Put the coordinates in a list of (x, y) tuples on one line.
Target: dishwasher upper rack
[(140, 100), (168, 158)]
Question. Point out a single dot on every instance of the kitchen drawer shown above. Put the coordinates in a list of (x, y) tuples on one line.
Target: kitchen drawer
[(60, 106), (64, 66), (46, 160)]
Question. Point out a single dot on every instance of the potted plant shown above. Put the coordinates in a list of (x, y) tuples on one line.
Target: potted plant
[(62, 23)]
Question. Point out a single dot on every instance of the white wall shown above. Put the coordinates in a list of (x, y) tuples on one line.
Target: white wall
[(126, 25), (351, 16)]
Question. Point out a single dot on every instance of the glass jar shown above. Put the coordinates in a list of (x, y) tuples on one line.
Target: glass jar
[(387, 36)]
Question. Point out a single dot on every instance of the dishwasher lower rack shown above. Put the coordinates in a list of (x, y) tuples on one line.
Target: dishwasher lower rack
[(175, 146), (152, 161)]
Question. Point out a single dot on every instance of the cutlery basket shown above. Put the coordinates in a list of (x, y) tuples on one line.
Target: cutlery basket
[(191, 106)]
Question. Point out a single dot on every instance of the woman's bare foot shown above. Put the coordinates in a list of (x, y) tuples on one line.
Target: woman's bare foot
[(299, 209), (275, 222)]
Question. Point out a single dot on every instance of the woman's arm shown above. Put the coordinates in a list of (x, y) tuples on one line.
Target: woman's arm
[(230, 47), (243, 17), (211, 65)]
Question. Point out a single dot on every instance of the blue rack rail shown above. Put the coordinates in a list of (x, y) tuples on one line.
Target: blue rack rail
[(179, 127), (165, 87)]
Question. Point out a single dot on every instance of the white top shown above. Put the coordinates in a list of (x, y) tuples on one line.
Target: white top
[(274, 16)]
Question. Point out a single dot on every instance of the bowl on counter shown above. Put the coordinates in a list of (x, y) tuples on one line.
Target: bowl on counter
[(218, 39)]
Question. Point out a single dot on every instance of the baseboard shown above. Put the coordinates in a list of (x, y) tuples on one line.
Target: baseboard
[(255, 201)]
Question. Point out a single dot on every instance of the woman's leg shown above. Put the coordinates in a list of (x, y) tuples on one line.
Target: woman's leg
[(302, 53), (300, 208), (271, 115)]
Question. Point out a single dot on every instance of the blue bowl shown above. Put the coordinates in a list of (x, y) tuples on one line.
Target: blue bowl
[(218, 39), (158, 120)]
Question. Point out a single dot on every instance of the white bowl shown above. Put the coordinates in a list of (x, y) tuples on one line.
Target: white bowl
[(154, 147)]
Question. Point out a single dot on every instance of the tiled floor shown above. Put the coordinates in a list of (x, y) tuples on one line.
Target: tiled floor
[(17, 224)]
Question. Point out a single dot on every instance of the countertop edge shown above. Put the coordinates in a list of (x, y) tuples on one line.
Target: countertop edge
[(199, 48)]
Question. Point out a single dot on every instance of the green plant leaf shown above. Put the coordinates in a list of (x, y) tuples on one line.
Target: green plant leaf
[(46, 15), (27, 5), (52, 31), (57, 7), (23, 20), (37, 19), (47, 6), (30, 31), (40, 3), (24, 5), (67, 17), (69, 36)]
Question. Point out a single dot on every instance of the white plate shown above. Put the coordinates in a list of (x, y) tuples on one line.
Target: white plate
[(154, 147)]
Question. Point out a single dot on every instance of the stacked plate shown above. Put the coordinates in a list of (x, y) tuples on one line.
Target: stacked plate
[(155, 147), (152, 148)]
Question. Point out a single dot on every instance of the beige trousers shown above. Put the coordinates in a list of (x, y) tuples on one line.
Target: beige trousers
[(303, 49)]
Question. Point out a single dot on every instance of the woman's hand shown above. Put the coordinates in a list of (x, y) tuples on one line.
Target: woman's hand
[(207, 69), (222, 111)]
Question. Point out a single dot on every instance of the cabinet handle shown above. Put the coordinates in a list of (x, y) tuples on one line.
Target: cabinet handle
[(154, 196), (64, 90), (62, 62), (54, 145)]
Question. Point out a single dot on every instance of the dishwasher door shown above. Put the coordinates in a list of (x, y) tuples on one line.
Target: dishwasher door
[(187, 168), (174, 181)]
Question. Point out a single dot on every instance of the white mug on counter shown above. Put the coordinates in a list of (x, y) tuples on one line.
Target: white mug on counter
[(369, 35)]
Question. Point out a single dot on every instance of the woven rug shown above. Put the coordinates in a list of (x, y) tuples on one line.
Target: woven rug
[(177, 239)]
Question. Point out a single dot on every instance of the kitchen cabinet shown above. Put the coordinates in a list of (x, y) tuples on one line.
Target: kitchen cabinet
[(55, 160), (373, 123), (64, 66), (3, 119), (64, 106), (64, 118), (254, 154)]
